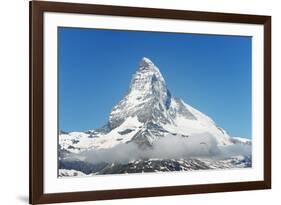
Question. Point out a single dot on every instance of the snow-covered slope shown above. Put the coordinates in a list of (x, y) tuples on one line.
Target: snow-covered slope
[(147, 114)]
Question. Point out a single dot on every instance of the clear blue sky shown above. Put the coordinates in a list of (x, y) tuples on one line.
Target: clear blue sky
[(210, 72)]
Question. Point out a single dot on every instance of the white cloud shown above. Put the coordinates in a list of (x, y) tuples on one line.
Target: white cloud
[(169, 147)]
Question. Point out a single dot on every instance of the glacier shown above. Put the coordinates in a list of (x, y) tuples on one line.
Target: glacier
[(150, 130)]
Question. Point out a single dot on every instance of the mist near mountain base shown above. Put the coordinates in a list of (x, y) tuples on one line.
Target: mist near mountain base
[(168, 147)]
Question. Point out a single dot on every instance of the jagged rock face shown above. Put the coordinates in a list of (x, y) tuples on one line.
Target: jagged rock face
[(148, 97), (151, 102), (180, 109)]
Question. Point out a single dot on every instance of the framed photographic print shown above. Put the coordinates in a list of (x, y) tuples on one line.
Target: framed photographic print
[(138, 102)]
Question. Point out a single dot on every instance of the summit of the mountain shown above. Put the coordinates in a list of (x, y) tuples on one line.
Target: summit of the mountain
[(148, 97), (146, 63)]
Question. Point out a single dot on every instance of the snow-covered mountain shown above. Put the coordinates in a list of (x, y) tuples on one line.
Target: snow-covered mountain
[(146, 117)]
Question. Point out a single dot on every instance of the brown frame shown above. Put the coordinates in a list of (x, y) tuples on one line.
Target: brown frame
[(37, 9)]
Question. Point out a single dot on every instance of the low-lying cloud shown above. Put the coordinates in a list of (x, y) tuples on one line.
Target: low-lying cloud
[(169, 147)]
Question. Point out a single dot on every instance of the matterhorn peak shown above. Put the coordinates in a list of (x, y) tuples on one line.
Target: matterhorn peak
[(146, 93), (150, 102), (147, 64), (148, 81), (148, 69)]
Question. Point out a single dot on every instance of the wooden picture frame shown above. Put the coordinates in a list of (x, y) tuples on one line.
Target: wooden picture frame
[(37, 9)]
